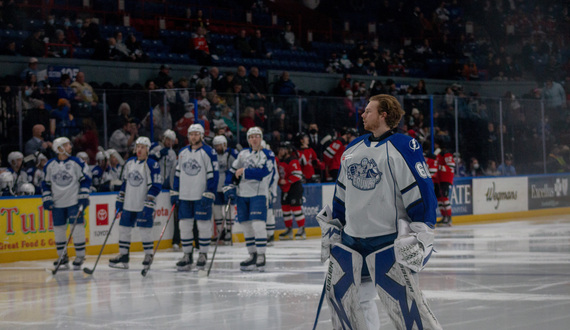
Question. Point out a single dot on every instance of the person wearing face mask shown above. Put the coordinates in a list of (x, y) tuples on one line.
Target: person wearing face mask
[(70, 34), (475, 168), (359, 68), (315, 140)]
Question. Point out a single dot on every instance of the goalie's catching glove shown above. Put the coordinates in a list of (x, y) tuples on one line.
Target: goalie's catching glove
[(414, 244)]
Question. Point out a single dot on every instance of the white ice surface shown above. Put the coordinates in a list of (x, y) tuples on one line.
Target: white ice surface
[(512, 275)]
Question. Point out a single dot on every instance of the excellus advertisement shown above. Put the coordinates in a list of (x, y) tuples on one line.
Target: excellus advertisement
[(548, 191)]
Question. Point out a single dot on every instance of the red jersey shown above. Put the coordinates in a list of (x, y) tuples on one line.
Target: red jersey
[(446, 167), (290, 171), (332, 154), (306, 158), (431, 161), (200, 43)]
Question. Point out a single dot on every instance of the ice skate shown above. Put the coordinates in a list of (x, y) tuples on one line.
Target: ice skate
[(201, 263), (147, 259), (64, 265), (301, 235), (445, 222), (228, 238), (121, 261), (185, 264), (78, 262), (270, 240), (260, 263), (250, 263), (287, 235)]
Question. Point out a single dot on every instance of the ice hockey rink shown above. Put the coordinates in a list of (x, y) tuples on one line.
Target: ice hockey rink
[(508, 275)]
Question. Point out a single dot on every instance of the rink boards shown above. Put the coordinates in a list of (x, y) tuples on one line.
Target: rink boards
[(26, 228)]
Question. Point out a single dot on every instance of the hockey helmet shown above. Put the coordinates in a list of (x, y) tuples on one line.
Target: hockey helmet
[(144, 141), (196, 128), (58, 143), (220, 139), (27, 189), (6, 181), (101, 155), (286, 145), (39, 158), (253, 131), (169, 134), (83, 156), (116, 155), (14, 155)]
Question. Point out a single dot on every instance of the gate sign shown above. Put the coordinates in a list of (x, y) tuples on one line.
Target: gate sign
[(55, 72)]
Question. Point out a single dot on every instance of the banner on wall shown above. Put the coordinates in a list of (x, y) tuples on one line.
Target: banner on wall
[(548, 192), (498, 195), (461, 197), (312, 205)]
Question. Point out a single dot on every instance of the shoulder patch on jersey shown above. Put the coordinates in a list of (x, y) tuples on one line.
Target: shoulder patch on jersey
[(414, 145), (364, 175), (155, 165), (421, 167)]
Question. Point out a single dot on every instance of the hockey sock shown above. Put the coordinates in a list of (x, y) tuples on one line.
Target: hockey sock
[(299, 216), (270, 226), (287, 216), (219, 224), (146, 238), (79, 240), (440, 206), (249, 234), (205, 235), (60, 238), (260, 235), (446, 207), (125, 239), (186, 234)]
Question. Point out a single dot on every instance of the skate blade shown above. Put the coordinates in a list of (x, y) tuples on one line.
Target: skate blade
[(285, 238), (78, 267), (261, 269), (184, 268), (119, 266), (247, 268)]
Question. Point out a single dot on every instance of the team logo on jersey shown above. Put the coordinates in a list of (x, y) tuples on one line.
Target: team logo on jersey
[(364, 175), (62, 178), (191, 167), (250, 163), (414, 145), (135, 178)]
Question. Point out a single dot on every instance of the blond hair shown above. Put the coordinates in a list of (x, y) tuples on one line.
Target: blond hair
[(392, 108)]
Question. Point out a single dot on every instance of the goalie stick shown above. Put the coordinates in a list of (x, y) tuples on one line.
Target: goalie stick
[(60, 259), (147, 267), (90, 271)]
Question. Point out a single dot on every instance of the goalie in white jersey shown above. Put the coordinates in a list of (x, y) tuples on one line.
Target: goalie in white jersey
[(226, 157), (195, 185), (142, 182), (65, 187), (381, 228), (251, 172)]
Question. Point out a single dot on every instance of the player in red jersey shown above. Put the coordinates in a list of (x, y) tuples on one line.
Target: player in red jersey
[(290, 182), (310, 163), (445, 172)]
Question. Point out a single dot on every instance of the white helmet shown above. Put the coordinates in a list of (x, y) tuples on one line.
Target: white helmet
[(169, 134), (15, 155), (115, 153), (253, 131), (6, 181), (58, 143), (196, 128), (101, 155), (27, 189), (143, 140), (83, 156), (220, 139)]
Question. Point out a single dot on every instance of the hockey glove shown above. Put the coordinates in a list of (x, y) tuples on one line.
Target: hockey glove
[(48, 202), (174, 197), (163, 152), (414, 244), (331, 230), (120, 201), (83, 197), (147, 213), (229, 193)]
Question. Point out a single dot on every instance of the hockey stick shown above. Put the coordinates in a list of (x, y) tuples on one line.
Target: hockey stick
[(147, 267), (53, 272), (90, 271), (202, 273), (320, 304)]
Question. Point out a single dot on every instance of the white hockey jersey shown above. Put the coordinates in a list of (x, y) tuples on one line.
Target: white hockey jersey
[(380, 182), (197, 171), (259, 165), (225, 162), (167, 163), (20, 178), (140, 179), (64, 179)]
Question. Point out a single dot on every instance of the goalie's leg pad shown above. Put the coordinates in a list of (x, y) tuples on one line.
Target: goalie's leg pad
[(342, 288), (399, 292)]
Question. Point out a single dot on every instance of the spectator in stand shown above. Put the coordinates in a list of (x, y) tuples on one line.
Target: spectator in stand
[(85, 91), (124, 112), (491, 169), (475, 168), (115, 54), (65, 122), (359, 68), (258, 82), (59, 51), (333, 64), (216, 79), (200, 20), (247, 87), (90, 34), (122, 47), (50, 28), (123, 138), (9, 49), (284, 86), (257, 45), (247, 118), (161, 120), (420, 88), (226, 84), (507, 169), (371, 69), (511, 69), (163, 76), (64, 91), (183, 94), (70, 34), (344, 84), (37, 142), (470, 71), (32, 68), (33, 93), (150, 88), (34, 44), (242, 45), (200, 47), (261, 119), (202, 79), (288, 37), (135, 49), (88, 140), (555, 99), (376, 87)]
